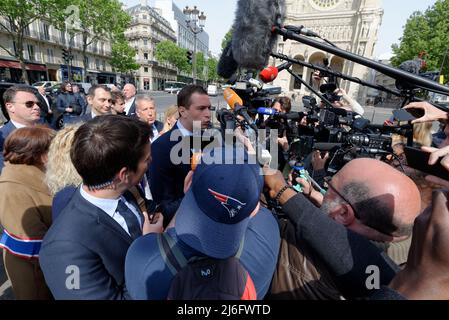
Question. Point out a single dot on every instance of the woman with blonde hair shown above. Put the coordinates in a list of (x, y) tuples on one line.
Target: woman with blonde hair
[(171, 116), (61, 176), (25, 209)]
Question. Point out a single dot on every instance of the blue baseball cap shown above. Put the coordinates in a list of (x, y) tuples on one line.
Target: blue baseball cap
[(214, 214)]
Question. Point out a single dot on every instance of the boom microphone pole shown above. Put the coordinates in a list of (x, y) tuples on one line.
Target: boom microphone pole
[(387, 70), (298, 78), (337, 74)]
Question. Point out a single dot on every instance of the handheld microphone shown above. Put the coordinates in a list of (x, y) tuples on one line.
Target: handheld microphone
[(269, 74), (253, 39), (236, 104), (267, 111)]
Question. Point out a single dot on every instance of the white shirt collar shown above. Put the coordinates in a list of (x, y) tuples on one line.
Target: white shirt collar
[(129, 104), (107, 205), (18, 125), (184, 131)]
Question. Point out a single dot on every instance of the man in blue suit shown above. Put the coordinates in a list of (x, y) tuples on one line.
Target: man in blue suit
[(165, 173), (23, 109), (83, 253)]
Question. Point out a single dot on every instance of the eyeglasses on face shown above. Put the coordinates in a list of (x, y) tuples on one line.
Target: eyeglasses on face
[(29, 104), (328, 182)]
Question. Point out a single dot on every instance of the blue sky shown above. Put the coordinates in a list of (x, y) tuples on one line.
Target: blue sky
[(220, 16)]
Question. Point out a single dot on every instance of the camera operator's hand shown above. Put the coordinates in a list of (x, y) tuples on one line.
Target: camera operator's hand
[(283, 142), (275, 182), (431, 113), (240, 135), (426, 275), (319, 162), (436, 154)]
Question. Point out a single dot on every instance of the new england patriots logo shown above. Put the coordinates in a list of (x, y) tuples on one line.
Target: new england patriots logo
[(232, 205)]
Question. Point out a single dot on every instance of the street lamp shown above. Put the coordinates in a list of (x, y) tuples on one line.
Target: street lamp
[(195, 22)]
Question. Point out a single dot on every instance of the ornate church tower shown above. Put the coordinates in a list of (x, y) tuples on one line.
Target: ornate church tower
[(352, 25)]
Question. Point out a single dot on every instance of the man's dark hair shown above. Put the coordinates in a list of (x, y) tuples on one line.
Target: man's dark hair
[(105, 145), (374, 212), (185, 95), (93, 89), (10, 94)]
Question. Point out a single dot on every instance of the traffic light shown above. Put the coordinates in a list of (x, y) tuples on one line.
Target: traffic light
[(65, 55), (190, 56)]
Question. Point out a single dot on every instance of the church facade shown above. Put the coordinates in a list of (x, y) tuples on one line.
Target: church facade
[(352, 25)]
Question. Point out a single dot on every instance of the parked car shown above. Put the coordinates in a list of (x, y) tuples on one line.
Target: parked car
[(212, 90), (45, 84)]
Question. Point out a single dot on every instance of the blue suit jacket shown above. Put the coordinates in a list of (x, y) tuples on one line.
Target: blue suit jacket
[(85, 238), (5, 131), (166, 178)]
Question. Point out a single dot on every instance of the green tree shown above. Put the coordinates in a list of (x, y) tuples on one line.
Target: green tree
[(226, 39), (19, 15), (426, 32), (96, 20), (212, 75), (200, 65), (168, 52), (123, 56)]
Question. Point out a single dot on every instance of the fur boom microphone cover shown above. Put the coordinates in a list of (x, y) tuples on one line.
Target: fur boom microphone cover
[(252, 39)]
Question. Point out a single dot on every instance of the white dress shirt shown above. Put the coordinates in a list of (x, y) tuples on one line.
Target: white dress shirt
[(128, 105), (110, 207)]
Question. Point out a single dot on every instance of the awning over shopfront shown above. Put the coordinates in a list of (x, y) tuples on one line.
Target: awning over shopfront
[(28, 66)]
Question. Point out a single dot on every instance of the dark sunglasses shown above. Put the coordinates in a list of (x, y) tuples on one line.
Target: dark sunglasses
[(29, 104)]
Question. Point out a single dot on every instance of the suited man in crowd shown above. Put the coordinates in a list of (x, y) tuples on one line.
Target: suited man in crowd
[(129, 91), (23, 110), (146, 112), (166, 174), (99, 99), (93, 232), (45, 103)]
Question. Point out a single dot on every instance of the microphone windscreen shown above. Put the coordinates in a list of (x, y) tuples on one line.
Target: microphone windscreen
[(227, 66), (268, 74), (253, 40)]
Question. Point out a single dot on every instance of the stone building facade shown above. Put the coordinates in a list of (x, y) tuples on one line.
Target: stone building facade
[(352, 25)]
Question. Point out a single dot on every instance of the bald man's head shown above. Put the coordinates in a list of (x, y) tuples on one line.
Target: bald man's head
[(384, 199)]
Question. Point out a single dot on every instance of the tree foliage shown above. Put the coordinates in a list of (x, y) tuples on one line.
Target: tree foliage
[(226, 39), (95, 20), (168, 52), (200, 66), (426, 32), (123, 56), (19, 15), (212, 75)]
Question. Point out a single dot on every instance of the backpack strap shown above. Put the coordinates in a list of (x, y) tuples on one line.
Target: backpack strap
[(172, 255), (174, 258), (240, 251)]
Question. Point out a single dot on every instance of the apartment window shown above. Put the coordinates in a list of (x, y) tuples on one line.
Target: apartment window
[(145, 42), (144, 16), (30, 52), (27, 30), (97, 64), (145, 69), (46, 33), (50, 55), (86, 61), (104, 65), (145, 56), (15, 47), (63, 37)]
